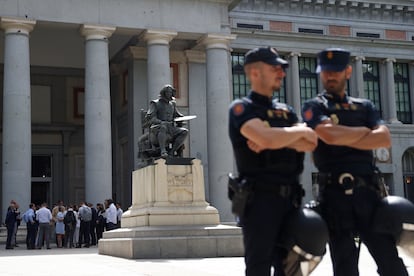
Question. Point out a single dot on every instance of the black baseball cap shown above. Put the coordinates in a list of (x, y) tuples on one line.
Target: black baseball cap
[(267, 55), (333, 59)]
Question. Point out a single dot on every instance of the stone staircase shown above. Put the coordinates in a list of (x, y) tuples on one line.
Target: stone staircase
[(21, 234)]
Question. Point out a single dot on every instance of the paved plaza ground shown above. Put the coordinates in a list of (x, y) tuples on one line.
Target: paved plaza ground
[(87, 261)]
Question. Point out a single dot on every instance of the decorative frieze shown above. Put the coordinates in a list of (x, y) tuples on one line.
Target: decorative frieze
[(398, 11)]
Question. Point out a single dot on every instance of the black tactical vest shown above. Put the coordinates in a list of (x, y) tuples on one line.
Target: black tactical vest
[(269, 165), (329, 158)]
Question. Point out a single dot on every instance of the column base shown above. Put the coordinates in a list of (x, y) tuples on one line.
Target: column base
[(395, 121), (162, 242)]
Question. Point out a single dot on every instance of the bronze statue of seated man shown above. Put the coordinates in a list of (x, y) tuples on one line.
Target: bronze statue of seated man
[(164, 132)]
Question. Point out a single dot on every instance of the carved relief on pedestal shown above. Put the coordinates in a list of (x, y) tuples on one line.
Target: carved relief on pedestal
[(180, 188)]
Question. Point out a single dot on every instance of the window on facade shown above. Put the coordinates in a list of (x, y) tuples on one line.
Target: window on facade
[(308, 78), (402, 92), (371, 83), (241, 85)]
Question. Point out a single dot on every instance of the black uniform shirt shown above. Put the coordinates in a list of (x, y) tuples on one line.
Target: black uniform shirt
[(347, 111), (268, 164)]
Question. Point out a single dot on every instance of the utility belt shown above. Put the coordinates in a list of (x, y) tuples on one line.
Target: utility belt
[(241, 189), (348, 182), (285, 190)]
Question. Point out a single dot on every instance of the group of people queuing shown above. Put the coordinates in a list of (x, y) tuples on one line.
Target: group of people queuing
[(70, 226)]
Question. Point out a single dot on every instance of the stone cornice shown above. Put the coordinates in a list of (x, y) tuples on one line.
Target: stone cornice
[(100, 32), (311, 44), (17, 25), (376, 11)]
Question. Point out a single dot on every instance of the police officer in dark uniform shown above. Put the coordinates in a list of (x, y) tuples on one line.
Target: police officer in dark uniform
[(349, 129), (164, 130), (269, 147)]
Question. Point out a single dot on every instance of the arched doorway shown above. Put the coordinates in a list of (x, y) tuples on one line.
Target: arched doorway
[(408, 173)]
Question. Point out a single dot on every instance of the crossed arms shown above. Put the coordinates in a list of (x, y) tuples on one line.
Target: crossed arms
[(302, 138), (361, 138), (261, 136)]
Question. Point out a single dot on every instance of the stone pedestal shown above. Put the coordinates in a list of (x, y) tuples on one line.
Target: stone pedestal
[(169, 217)]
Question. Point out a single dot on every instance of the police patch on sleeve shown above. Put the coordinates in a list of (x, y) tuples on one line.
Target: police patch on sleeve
[(308, 114), (238, 109)]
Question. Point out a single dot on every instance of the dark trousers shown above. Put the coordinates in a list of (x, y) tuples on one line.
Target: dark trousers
[(262, 224), (348, 215), (69, 232), (31, 235), (10, 234), (84, 235), (110, 226), (92, 233), (99, 231)]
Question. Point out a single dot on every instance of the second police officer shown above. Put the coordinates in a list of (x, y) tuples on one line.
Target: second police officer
[(269, 146), (349, 129)]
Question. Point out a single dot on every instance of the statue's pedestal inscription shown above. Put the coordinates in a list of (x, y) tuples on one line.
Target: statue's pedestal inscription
[(169, 217), (169, 195)]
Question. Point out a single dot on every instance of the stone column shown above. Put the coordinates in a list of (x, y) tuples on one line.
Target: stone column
[(98, 147), (359, 77), (197, 106), (390, 91), (17, 142), (159, 73), (137, 97), (219, 96), (294, 71)]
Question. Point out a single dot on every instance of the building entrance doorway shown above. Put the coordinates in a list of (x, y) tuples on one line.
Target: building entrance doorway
[(41, 179), (408, 174)]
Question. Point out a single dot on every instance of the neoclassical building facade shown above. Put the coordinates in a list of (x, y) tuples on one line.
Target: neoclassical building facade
[(76, 75)]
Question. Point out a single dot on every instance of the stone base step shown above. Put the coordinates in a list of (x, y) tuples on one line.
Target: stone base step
[(159, 242), (21, 234)]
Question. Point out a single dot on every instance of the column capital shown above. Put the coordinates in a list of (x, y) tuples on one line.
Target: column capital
[(195, 56), (295, 54), (217, 41), (359, 58), (100, 32), (17, 25), (389, 60), (163, 37)]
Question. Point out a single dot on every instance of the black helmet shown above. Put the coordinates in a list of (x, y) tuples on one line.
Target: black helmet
[(305, 236), (395, 216)]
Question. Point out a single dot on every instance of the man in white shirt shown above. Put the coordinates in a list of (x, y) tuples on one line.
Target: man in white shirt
[(44, 216), (111, 214)]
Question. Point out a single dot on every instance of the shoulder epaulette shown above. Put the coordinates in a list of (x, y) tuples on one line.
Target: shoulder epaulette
[(356, 100)]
